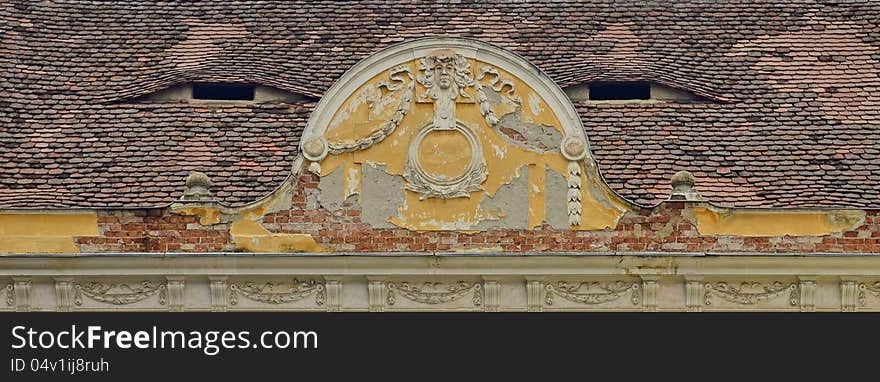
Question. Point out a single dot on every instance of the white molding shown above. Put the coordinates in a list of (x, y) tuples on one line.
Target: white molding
[(334, 294), (175, 285), (470, 264), (491, 295), (377, 292), (219, 300), (849, 294), (506, 283), (64, 293), (22, 293), (650, 287), (695, 294), (808, 294), (535, 294)]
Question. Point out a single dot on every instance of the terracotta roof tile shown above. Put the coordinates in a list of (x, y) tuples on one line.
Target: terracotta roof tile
[(794, 118)]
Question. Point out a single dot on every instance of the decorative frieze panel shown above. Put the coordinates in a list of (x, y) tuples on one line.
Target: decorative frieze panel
[(617, 294), (265, 294), (766, 294), (102, 294), (412, 294), (442, 283), (434, 293)]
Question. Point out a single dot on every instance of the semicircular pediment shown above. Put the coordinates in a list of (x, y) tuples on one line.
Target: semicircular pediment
[(456, 134)]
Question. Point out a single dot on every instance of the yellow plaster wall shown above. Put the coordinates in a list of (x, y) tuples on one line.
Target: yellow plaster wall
[(362, 115), (763, 223), (252, 237), (246, 233), (45, 233)]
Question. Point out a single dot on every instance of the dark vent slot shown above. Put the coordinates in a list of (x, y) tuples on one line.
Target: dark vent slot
[(620, 91), (226, 92)]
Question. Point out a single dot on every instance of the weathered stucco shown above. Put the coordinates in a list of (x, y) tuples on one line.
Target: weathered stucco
[(757, 223), (507, 205), (208, 215), (540, 138), (332, 190), (45, 232), (557, 189), (250, 236), (534, 146), (382, 193)]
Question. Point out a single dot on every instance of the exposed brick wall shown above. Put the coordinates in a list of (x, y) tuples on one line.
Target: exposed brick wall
[(665, 228), (154, 230)]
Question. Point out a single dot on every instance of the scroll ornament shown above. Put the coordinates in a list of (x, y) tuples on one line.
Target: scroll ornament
[(393, 84), (483, 100)]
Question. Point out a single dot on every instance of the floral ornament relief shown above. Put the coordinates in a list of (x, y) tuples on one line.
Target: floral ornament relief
[(278, 293), (593, 293), (446, 76), (750, 293), (434, 293), (873, 289), (120, 293)]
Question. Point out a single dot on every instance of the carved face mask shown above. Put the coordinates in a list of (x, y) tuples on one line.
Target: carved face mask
[(443, 72)]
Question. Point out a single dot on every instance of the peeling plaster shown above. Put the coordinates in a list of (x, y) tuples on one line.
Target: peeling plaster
[(540, 138), (557, 200), (506, 206), (331, 190), (503, 159), (382, 195), (762, 223), (250, 236), (535, 104)]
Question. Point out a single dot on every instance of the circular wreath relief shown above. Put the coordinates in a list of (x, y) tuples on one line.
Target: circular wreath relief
[(432, 186)]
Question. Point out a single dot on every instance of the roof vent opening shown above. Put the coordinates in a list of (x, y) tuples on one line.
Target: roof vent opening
[(223, 92), (612, 91)]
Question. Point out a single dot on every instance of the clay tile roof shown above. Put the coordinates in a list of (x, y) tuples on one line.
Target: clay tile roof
[(792, 118)]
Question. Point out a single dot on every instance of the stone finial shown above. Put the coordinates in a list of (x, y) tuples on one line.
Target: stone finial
[(683, 186), (197, 187)]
